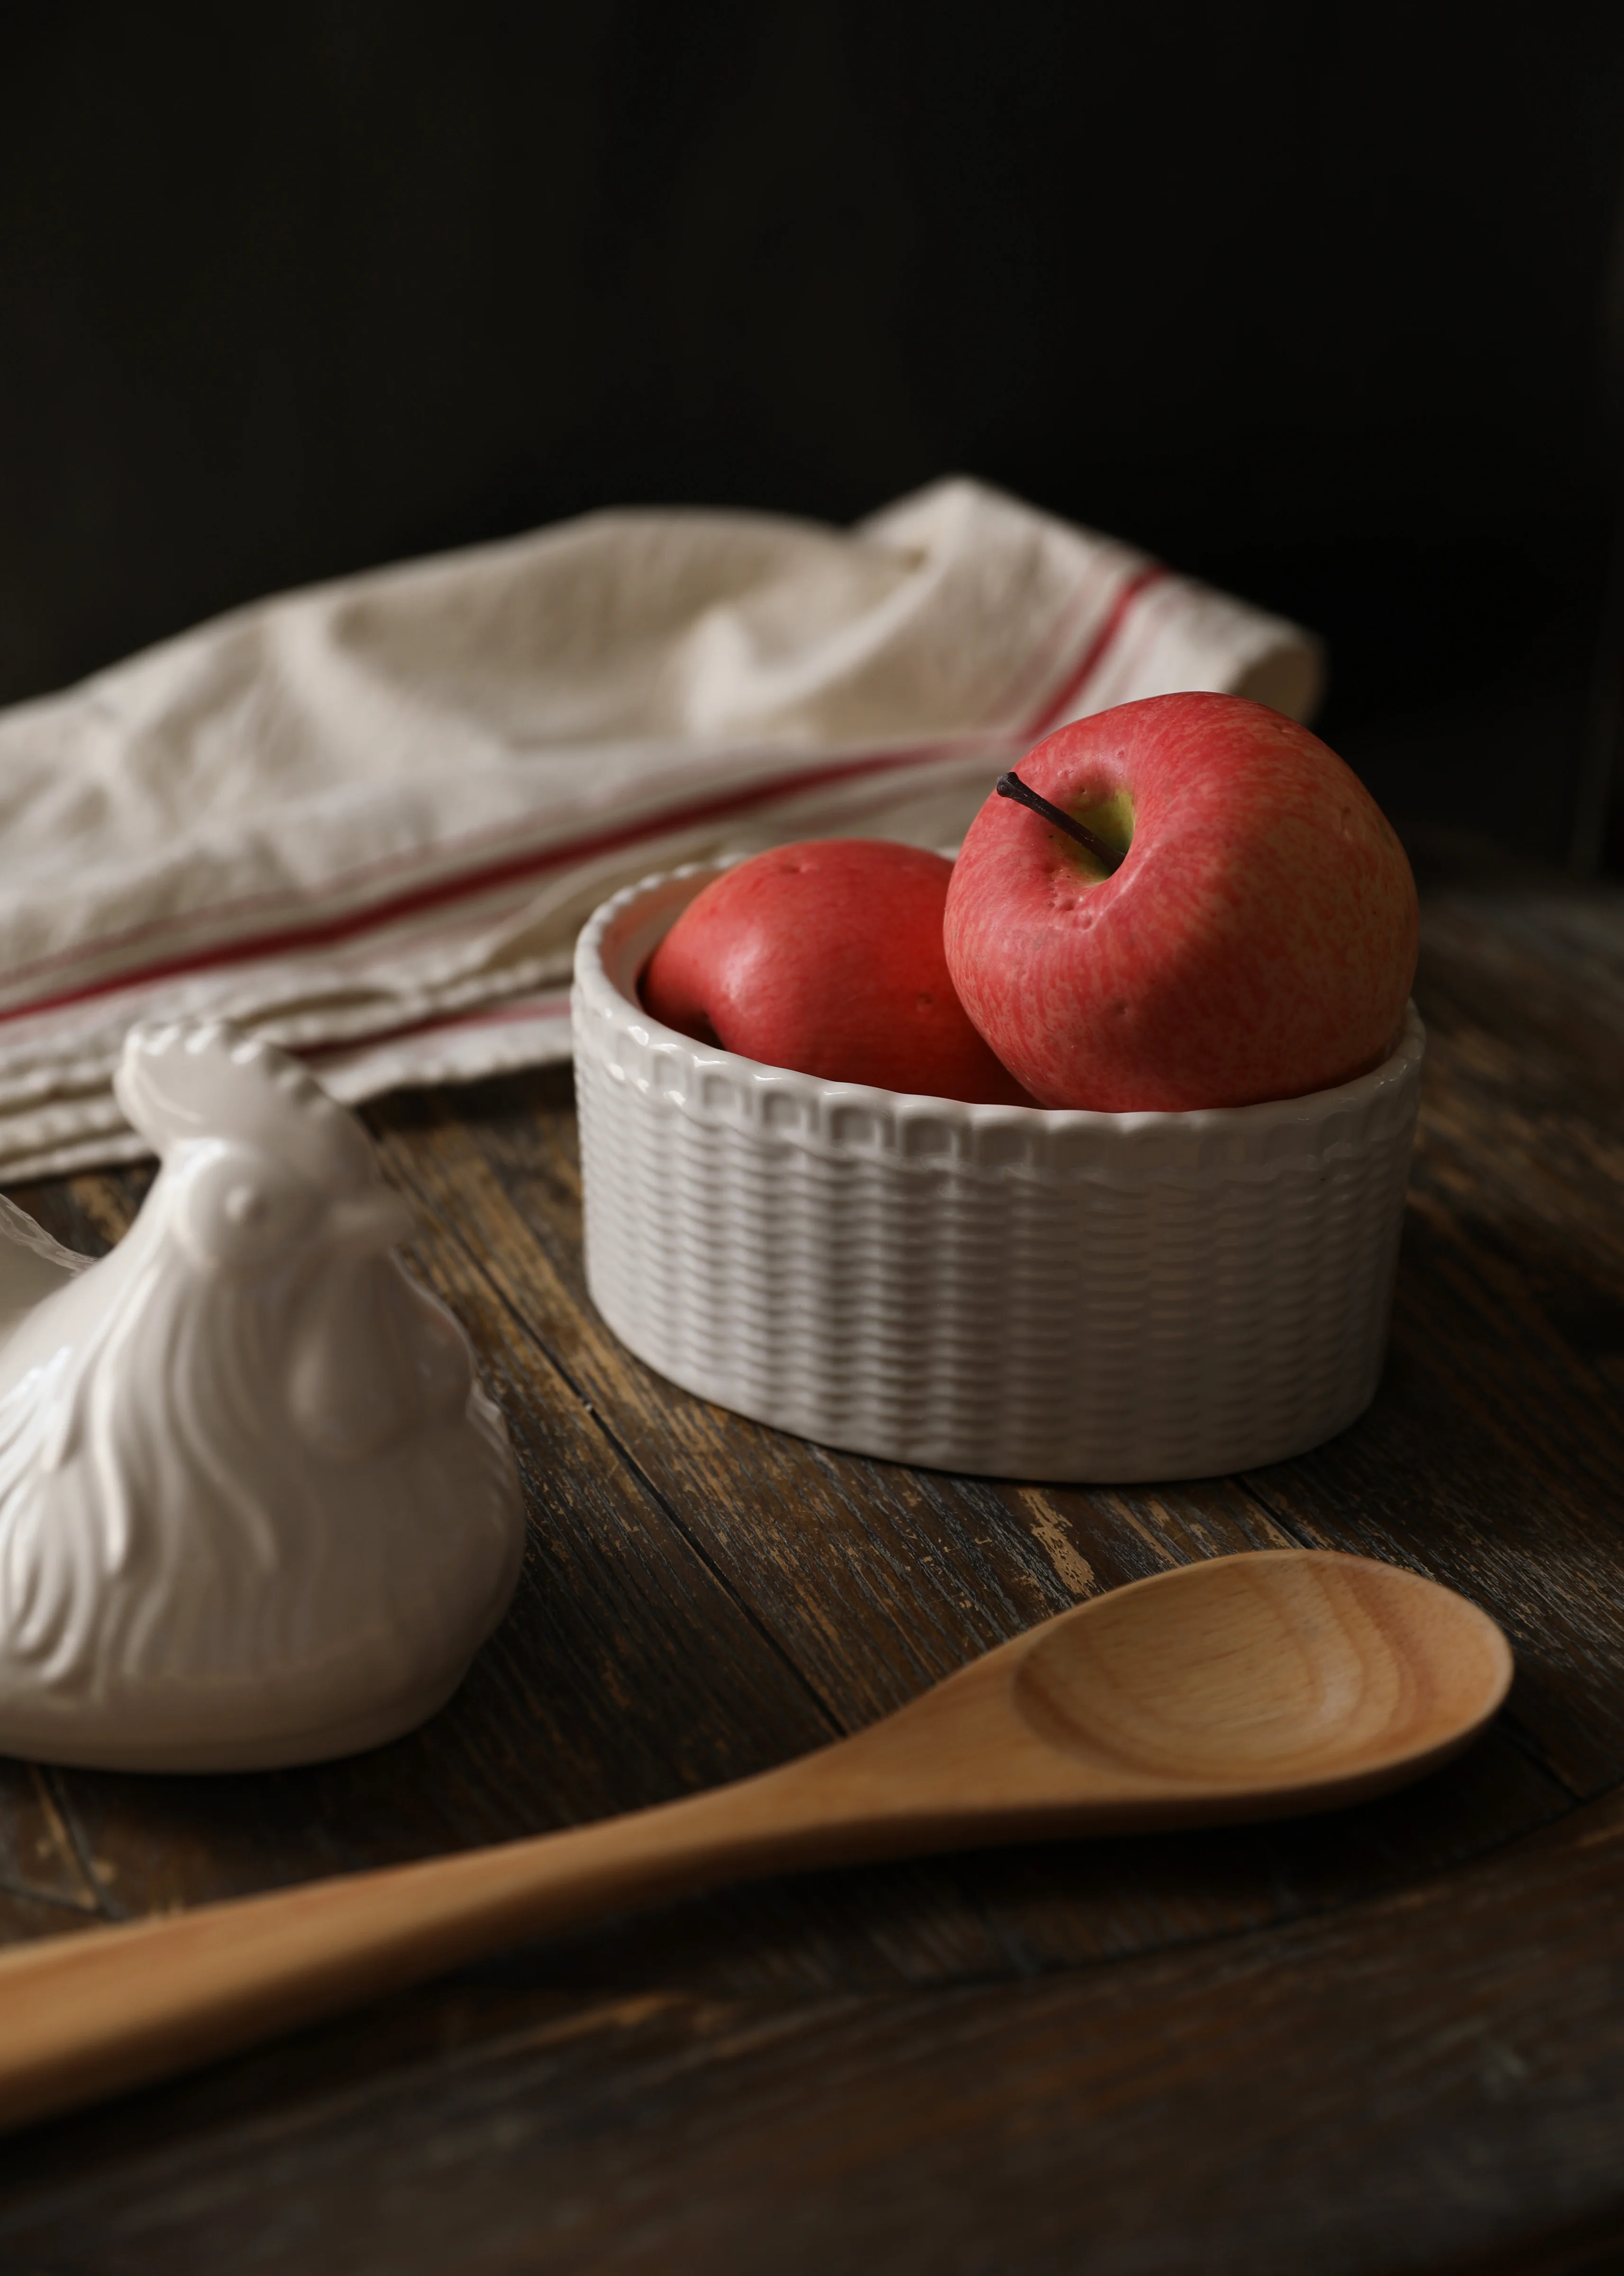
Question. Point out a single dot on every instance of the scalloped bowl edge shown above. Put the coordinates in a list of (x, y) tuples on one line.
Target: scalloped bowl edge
[(1002, 1290)]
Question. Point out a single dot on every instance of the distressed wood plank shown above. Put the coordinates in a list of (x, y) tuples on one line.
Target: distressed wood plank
[(39, 1856), (1406, 2085), (24, 1916), (1494, 1455)]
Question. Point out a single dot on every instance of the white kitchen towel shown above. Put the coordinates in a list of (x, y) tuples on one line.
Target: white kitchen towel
[(367, 820)]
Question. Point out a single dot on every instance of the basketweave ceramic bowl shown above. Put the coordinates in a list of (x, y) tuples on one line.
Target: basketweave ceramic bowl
[(1006, 1290)]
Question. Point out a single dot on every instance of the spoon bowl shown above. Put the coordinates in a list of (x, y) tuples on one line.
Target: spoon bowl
[(1243, 1687), (1286, 1676)]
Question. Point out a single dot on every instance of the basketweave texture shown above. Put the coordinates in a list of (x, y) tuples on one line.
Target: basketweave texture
[(995, 1289)]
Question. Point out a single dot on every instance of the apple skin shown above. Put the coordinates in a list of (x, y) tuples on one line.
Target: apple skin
[(827, 957), (1258, 941)]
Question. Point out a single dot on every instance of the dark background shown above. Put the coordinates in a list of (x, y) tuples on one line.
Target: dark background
[(1312, 299)]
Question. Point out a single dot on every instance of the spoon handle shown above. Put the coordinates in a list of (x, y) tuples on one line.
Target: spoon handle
[(992, 1754), (107, 2008), (93, 2013)]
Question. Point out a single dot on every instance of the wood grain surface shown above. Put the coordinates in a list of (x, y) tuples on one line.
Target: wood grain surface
[(1388, 2039)]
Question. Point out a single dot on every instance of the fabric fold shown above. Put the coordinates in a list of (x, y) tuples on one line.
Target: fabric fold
[(369, 819)]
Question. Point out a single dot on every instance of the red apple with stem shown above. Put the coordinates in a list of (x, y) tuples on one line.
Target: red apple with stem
[(1244, 926), (827, 957)]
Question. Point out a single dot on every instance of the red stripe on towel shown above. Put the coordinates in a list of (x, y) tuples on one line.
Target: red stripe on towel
[(1061, 701), (485, 1015), (325, 932)]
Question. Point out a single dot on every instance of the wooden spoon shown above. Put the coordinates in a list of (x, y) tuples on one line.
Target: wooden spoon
[(1243, 1687)]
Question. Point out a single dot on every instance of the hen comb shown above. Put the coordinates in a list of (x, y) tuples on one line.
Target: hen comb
[(207, 1078)]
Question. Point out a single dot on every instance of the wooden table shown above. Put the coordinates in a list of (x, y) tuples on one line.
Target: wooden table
[(1392, 2038)]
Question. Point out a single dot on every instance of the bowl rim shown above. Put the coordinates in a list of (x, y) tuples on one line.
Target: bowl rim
[(596, 992)]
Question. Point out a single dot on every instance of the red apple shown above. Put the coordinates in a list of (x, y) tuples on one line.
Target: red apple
[(827, 957), (1258, 941)]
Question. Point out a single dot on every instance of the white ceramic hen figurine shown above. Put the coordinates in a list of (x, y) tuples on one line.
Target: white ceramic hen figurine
[(254, 1509)]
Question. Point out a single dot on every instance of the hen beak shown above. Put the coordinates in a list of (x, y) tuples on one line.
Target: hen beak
[(365, 1224)]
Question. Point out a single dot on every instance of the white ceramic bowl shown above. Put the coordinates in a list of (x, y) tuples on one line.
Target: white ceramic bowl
[(999, 1289)]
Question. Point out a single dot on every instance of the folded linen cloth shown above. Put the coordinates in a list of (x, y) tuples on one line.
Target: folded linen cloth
[(367, 820)]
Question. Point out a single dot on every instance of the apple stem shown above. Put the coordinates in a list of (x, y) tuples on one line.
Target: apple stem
[(1010, 785)]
